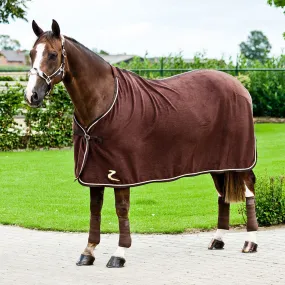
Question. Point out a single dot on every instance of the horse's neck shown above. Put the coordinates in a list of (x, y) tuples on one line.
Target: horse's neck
[(89, 82)]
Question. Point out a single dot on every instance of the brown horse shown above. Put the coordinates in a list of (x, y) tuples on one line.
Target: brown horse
[(129, 131)]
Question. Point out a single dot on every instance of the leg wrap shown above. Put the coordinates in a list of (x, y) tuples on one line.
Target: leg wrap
[(251, 215), (125, 236), (96, 203), (224, 214), (122, 209)]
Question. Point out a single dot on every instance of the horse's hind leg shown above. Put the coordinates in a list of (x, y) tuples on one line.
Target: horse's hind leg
[(122, 197), (250, 244), (224, 213), (96, 203)]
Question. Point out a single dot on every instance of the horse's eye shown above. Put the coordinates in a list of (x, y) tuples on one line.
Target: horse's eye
[(52, 55)]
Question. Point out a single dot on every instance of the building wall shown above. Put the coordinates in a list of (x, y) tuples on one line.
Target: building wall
[(3, 61)]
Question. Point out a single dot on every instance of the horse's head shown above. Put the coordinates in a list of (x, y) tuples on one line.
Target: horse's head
[(48, 63)]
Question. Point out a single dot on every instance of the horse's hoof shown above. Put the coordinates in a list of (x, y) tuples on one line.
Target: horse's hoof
[(216, 244), (85, 260), (116, 262), (249, 247)]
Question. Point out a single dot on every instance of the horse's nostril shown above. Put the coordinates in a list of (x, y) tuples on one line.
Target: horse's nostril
[(35, 97)]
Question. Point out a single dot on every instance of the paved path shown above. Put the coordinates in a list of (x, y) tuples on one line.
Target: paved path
[(30, 257)]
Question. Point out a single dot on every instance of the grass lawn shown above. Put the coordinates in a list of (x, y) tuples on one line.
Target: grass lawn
[(37, 191)]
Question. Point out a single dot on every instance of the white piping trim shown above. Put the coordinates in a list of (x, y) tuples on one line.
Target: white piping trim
[(157, 79), (173, 178), (96, 121), (84, 157), (177, 74), (117, 86)]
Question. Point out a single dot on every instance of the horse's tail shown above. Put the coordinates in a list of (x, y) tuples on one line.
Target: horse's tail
[(234, 187)]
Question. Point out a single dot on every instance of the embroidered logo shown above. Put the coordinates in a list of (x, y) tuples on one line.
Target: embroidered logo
[(111, 173)]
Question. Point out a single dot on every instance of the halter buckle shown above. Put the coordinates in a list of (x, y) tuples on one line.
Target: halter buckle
[(48, 80)]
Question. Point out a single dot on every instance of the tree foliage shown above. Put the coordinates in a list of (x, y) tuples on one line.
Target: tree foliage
[(6, 43), (276, 3), (12, 8), (257, 46)]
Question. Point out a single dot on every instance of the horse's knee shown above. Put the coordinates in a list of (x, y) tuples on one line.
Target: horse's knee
[(122, 211)]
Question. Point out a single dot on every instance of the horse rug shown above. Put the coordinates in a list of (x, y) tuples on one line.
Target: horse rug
[(160, 130)]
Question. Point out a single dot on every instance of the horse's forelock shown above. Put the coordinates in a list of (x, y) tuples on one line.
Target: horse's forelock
[(46, 37)]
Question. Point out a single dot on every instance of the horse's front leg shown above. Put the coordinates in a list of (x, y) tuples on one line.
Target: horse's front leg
[(122, 197), (96, 203)]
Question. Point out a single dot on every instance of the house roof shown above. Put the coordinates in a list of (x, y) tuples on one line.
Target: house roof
[(12, 55), (116, 58)]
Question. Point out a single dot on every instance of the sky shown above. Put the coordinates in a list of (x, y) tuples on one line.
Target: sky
[(159, 27)]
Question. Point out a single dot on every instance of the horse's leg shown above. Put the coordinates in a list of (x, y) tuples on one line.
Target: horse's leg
[(96, 202), (223, 216), (122, 197), (250, 244)]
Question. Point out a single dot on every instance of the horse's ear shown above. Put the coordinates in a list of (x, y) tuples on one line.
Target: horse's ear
[(55, 28), (37, 30)]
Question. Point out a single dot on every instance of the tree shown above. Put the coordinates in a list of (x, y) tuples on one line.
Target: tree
[(103, 52), (276, 3), (6, 43), (257, 46), (12, 8)]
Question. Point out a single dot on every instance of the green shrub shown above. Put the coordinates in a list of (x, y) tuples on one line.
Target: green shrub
[(47, 127), (51, 125), (270, 201), (10, 104), (14, 68), (7, 78), (245, 80), (24, 78)]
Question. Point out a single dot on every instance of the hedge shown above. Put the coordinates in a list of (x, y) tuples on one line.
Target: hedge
[(270, 200), (46, 127)]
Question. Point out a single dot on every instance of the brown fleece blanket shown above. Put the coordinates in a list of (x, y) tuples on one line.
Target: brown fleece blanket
[(160, 130)]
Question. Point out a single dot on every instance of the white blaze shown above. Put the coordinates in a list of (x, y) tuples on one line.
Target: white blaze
[(33, 77)]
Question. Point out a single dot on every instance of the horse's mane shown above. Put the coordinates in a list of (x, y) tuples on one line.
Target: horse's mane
[(85, 48)]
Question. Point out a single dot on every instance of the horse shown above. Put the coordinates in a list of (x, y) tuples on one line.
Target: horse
[(129, 131)]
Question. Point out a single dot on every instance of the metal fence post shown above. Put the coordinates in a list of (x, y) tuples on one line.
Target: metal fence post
[(161, 66)]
